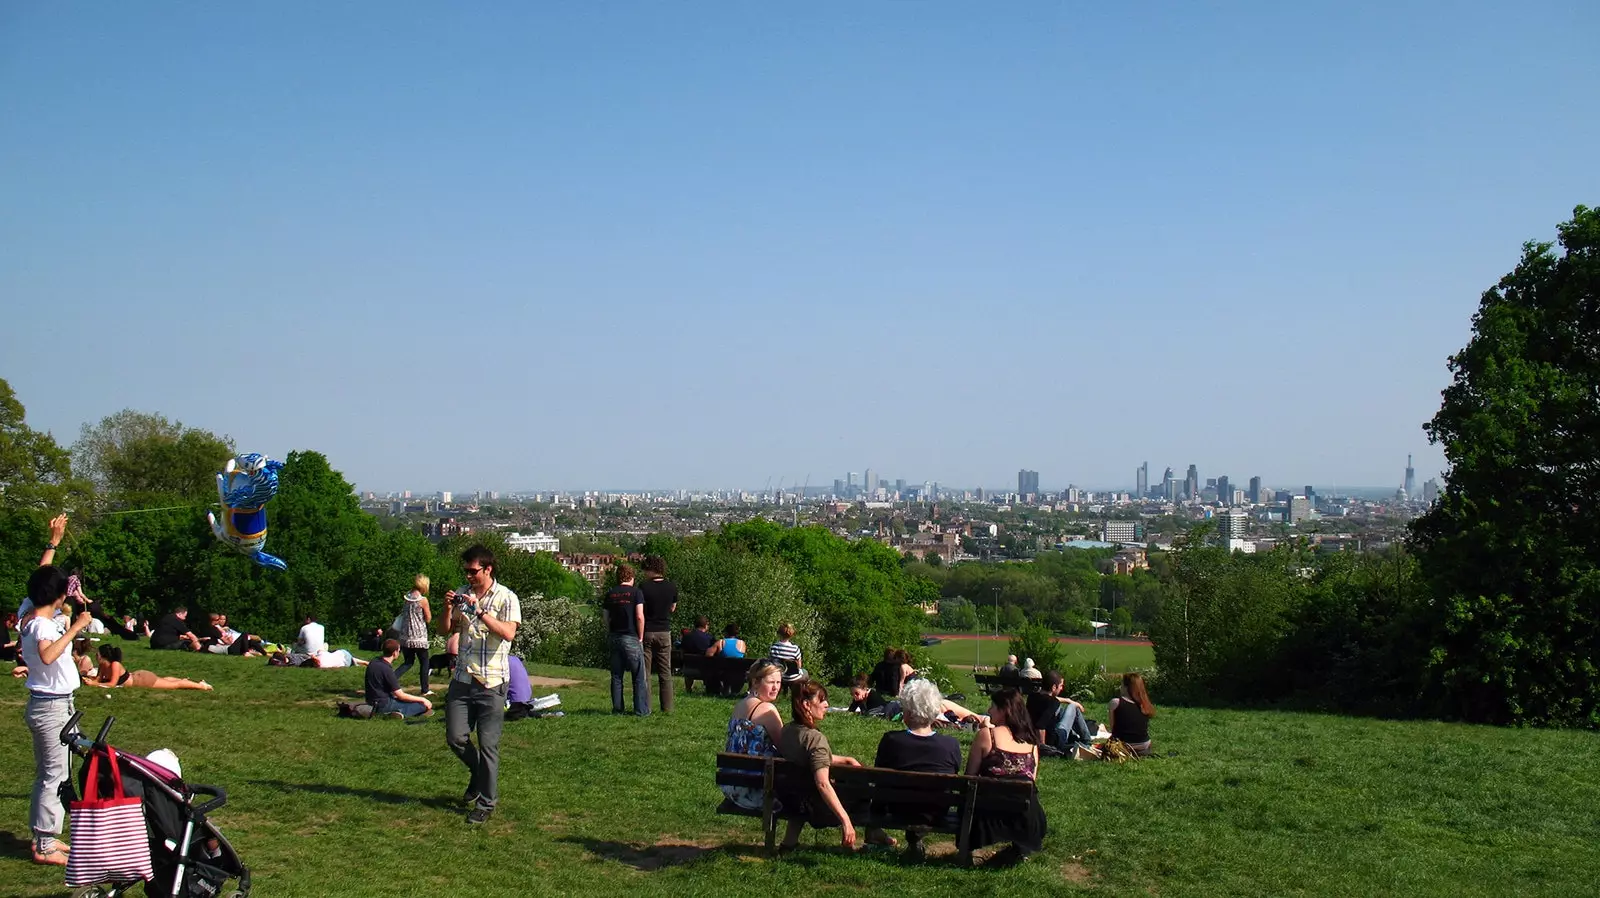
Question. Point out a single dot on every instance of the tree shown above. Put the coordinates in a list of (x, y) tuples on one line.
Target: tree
[(36, 483), (1037, 642), (138, 458), (1511, 552)]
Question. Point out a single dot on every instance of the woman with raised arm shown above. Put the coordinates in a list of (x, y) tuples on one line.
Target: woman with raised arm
[(46, 640)]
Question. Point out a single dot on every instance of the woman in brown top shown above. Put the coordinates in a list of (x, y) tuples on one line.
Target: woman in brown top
[(803, 744)]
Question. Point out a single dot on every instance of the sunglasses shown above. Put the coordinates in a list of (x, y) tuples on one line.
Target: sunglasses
[(469, 571)]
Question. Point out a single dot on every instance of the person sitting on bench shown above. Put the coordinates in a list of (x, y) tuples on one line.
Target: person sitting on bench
[(917, 748), (697, 644), (730, 645), (755, 726), (802, 744), (1008, 748)]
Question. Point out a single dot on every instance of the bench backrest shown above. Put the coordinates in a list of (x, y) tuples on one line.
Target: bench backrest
[(994, 682), (906, 791)]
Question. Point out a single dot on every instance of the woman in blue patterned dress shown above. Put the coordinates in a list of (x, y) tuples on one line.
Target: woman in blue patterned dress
[(755, 726)]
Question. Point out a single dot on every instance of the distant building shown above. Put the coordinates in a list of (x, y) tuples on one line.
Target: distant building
[(1126, 561), (1027, 483), (1240, 545), (1224, 490), (1255, 491), (1233, 523), (1191, 484), (537, 542), (1119, 531), (444, 497), (869, 484), (1141, 478), (1411, 479), (1430, 491), (1297, 510)]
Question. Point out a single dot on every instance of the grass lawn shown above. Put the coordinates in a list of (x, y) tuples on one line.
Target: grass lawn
[(1248, 803), (1116, 656)]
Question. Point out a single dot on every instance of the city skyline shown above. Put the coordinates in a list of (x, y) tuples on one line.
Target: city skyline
[(709, 244)]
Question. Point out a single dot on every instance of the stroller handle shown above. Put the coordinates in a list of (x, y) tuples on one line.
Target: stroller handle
[(219, 797), (71, 736), (72, 725)]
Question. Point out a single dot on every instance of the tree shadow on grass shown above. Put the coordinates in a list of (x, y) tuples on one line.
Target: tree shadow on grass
[(443, 803), (13, 845), (649, 858)]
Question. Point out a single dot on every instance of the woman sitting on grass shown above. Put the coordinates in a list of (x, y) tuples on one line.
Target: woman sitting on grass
[(755, 726), (803, 744), (81, 650), (1007, 748), (1130, 715), (112, 674)]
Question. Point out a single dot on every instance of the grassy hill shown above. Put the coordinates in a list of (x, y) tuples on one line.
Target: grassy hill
[(1245, 803)]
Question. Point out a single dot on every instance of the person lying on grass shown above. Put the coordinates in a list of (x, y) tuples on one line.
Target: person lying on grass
[(803, 744), (323, 659), (112, 674)]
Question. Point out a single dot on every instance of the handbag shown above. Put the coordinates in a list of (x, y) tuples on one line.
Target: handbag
[(109, 843), (399, 623)]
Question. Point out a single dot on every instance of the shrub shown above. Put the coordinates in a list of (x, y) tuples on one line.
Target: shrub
[(1036, 641)]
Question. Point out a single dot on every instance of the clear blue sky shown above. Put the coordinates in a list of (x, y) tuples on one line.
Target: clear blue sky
[(509, 245)]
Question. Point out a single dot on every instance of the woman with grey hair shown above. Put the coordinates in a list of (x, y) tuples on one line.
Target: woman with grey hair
[(917, 747)]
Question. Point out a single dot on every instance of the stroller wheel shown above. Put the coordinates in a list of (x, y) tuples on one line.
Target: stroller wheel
[(100, 891), (238, 894)]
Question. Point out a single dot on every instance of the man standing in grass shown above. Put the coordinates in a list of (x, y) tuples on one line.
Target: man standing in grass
[(485, 614), (623, 608), (383, 688)]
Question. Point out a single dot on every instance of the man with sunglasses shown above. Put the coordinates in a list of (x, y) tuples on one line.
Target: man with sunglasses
[(485, 614)]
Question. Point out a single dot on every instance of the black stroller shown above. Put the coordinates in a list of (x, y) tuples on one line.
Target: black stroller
[(189, 857)]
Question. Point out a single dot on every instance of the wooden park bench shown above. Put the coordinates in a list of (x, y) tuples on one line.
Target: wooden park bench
[(992, 683), (895, 799), (727, 673)]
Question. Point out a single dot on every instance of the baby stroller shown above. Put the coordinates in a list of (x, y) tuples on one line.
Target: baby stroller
[(189, 857)]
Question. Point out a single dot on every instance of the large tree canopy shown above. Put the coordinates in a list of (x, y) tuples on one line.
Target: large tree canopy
[(1512, 550), (35, 483), (138, 458)]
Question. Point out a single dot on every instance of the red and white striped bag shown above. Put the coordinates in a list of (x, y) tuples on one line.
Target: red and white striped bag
[(109, 843)]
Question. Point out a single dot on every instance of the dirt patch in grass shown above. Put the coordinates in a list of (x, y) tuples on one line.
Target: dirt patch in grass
[(1076, 873), (553, 681)]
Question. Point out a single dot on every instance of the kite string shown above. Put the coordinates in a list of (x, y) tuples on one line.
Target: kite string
[(103, 514)]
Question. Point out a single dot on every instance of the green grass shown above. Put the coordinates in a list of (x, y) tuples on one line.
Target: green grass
[(1116, 656), (1249, 803)]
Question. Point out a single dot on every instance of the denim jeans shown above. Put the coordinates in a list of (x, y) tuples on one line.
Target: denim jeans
[(408, 709), (470, 706), (627, 654), (45, 717), (1071, 729)]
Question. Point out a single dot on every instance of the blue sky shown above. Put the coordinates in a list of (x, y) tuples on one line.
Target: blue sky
[(705, 244)]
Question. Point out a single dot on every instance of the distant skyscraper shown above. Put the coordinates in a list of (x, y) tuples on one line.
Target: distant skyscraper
[(868, 483), (1430, 491), (1191, 484), (1255, 491), (1224, 490), (1027, 482), (1298, 509), (838, 489), (899, 485), (1411, 479), (1141, 478)]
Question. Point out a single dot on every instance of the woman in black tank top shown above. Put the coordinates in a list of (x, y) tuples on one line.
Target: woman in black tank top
[(1130, 715)]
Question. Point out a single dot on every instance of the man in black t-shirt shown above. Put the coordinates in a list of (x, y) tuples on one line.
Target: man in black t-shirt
[(660, 600), (173, 632), (383, 688), (1059, 721), (623, 607), (697, 643)]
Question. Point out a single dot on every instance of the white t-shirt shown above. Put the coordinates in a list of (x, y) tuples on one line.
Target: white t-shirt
[(340, 658), (60, 678), (313, 639)]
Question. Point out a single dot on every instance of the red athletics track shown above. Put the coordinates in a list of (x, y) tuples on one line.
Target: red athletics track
[(1007, 639)]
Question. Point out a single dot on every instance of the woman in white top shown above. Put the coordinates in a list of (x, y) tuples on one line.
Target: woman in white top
[(415, 616), (52, 679)]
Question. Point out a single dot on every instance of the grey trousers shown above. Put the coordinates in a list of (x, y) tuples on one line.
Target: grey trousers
[(45, 718), (467, 707)]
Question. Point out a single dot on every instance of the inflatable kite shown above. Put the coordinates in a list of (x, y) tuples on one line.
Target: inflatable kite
[(244, 486)]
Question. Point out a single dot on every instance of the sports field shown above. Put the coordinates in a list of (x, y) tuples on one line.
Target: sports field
[(989, 652), (1241, 803)]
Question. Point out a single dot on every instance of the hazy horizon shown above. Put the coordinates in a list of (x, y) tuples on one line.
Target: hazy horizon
[(709, 243)]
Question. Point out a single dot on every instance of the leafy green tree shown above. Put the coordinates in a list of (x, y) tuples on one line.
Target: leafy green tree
[(1037, 642), (136, 458), (1511, 552), (1121, 622), (758, 592), (36, 483)]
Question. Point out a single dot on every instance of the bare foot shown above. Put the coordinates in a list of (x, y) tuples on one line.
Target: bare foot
[(56, 856), (206, 686)]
